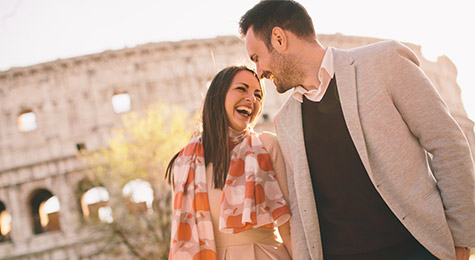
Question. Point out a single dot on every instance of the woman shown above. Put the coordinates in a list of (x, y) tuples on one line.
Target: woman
[(229, 183)]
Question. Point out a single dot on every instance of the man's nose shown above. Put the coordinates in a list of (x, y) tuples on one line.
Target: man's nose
[(260, 72), (263, 74)]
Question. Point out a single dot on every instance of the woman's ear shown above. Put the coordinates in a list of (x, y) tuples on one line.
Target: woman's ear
[(279, 39)]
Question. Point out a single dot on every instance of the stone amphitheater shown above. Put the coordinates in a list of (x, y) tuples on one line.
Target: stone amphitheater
[(52, 110)]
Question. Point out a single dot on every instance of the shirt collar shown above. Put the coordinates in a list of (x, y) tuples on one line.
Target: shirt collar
[(325, 74)]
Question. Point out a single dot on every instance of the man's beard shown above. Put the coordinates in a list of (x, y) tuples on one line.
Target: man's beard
[(286, 72)]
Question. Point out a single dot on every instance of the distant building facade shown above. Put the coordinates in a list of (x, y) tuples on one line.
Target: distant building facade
[(52, 110)]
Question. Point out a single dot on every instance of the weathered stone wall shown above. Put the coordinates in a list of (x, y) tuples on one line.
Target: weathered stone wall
[(72, 102)]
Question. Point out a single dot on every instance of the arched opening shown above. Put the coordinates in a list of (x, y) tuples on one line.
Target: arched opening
[(94, 205), (27, 121), (139, 196), (5, 223), (121, 102), (44, 211)]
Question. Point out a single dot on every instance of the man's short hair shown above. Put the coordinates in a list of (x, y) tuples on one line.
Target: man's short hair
[(286, 14)]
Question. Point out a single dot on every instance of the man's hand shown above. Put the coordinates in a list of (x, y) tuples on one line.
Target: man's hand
[(462, 253)]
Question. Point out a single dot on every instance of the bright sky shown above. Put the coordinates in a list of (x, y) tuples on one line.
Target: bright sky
[(35, 31)]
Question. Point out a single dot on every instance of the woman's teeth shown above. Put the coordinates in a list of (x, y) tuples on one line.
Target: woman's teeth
[(244, 110)]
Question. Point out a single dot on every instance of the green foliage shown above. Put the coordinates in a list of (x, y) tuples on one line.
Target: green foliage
[(141, 149)]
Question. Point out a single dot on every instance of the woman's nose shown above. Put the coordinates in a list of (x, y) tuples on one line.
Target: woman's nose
[(251, 97)]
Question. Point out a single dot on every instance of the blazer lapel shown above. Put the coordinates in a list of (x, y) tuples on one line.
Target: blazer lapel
[(291, 127), (291, 139), (346, 84)]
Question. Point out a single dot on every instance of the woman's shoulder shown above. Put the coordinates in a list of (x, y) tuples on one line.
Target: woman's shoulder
[(268, 139), (267, 135)]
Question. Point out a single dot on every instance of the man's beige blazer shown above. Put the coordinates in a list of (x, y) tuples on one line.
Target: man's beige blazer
[(396, 119)]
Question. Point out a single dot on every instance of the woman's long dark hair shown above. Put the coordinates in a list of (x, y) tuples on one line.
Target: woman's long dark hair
[(216, 124)]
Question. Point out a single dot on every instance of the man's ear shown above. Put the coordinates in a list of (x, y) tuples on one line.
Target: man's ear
[(278, 39)]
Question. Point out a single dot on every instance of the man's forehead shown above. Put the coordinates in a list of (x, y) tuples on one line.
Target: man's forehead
[(248, 43), (251, 40), (250, 33)]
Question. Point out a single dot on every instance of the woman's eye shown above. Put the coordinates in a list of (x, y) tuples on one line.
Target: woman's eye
[(241, 88), (258, 96)]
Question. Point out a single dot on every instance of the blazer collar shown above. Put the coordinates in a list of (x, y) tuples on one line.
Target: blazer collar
[(290, 115), (347, 90)]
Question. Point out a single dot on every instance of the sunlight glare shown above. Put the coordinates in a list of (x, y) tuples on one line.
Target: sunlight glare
[(139, 191)]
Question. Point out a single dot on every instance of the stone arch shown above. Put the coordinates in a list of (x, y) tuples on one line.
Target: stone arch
[(26, 120), (121, 102), (94, 204), (139, 196), (45, 208), (5, 223)]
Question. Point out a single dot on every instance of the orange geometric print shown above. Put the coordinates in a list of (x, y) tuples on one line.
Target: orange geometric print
[(276, 213), (264, 162), (205, 254), (236, 221), (184, 232), (178, 199), (190, 149), (236, 168), (260, 194), (244, 205), (193, 149), (249, 190), (201, 201), (191, 176)]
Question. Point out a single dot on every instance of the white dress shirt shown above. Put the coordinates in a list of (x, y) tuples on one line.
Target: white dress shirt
[(325, 75)]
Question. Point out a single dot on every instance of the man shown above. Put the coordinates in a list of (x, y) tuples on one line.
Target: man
[(358, 136)]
